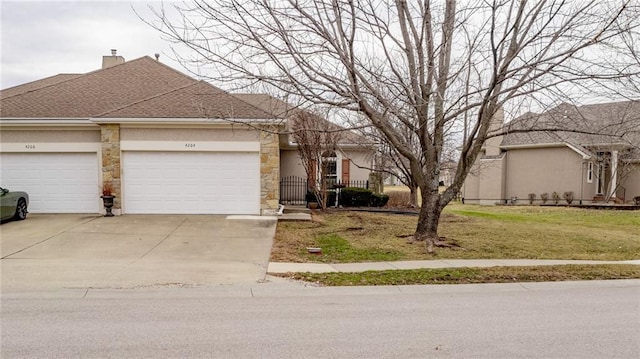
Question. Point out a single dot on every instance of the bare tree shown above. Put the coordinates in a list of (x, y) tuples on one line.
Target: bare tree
[(317, 141), (419, 67)]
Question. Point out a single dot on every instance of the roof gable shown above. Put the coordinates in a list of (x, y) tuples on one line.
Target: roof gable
[(589, 125)]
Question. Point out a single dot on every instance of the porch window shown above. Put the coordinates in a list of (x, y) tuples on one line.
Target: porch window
[(590, 172), (330, 167)]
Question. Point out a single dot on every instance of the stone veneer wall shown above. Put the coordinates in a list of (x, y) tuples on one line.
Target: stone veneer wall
[(269, 173), (110, 135)]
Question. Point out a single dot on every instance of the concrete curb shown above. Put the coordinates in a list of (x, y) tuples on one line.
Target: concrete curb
[(281, 267)]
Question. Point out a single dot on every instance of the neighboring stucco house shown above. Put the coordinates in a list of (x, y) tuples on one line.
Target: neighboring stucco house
[(598, 159)]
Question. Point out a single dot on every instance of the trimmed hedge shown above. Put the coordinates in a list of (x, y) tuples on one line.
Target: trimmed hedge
[(379, 200), (362, 197), (355, 197)]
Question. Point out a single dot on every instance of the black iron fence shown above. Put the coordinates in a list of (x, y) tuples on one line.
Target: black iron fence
[(293, 189)]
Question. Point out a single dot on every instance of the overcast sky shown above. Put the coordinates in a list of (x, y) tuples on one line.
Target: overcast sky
[(45, 38)]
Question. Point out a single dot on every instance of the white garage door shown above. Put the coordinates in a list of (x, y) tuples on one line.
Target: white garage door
[(191, 182), (55, 182)]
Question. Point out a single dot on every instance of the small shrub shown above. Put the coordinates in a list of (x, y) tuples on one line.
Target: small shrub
[(636, 199), (544, 197), (556, 197), (379, 200), (355, 197), (532, 197), (568, 196)]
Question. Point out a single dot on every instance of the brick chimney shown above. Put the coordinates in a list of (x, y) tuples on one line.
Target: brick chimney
[(113, 60)]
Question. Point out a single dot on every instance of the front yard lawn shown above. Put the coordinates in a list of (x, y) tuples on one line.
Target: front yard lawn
[(482, 232)]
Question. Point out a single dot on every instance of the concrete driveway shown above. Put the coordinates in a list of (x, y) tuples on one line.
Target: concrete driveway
[(75, 251)]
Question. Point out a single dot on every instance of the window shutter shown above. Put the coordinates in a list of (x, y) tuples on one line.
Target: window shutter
[(345, 171)]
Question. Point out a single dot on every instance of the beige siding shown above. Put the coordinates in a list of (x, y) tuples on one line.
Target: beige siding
[(485, 184), (359, 164), (187, 134), (631, 184), (545, 170), (291, 164), (470, 189), (49, 136)]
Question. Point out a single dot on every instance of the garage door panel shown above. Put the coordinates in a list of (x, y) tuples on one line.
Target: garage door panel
[(55, 182), (191, 182)]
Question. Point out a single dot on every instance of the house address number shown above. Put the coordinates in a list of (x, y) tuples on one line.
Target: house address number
[(30, 147), (190, 145)]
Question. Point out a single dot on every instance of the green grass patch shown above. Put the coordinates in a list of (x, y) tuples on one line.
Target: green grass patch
[(482, 232), (473, 275), (336, 248)]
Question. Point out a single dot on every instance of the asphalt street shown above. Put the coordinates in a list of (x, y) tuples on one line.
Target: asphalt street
[(599, 319)]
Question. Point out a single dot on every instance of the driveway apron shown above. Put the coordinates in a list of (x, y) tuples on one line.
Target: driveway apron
[(133, 251)]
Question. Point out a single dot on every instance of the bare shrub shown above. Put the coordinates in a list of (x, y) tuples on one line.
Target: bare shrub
[(556, 197), (532, 197), (568, 196), (399, 199), (544, 197)]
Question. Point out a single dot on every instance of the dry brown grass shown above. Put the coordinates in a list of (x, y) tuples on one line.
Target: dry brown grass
[(483, 232), (399, 199)]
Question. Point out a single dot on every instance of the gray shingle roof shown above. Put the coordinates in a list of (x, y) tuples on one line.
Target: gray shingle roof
[(141, 88), (586, 126), (34, 85), (196, 100)]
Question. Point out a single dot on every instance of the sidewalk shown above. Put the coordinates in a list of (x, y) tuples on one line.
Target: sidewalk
[(281, 267)]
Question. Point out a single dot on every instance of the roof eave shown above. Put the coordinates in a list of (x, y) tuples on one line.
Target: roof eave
[(71, 121), (173, 120)]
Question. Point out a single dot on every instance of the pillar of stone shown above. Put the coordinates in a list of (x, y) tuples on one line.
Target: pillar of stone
[(110, 135), (269, 173)]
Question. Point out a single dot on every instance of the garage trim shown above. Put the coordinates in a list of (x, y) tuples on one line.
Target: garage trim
[(36, 147), (192, 146)]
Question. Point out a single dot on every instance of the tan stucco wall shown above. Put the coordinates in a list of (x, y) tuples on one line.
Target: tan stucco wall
[(51, 136), (491, 184), (291, 164), (187, 134), (631, 183), (542, 170), (358, 158), (471, 187), (484, 184)]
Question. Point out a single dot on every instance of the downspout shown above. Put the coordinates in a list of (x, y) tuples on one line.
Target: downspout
[(504, 177), (582, 177)]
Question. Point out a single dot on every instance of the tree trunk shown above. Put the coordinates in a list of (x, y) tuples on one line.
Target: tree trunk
[(427, 228), (413, 199)]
